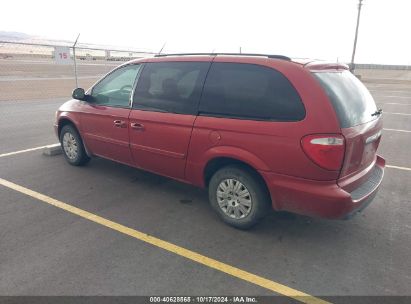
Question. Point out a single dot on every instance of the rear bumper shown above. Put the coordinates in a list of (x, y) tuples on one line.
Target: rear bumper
[(325, 199)]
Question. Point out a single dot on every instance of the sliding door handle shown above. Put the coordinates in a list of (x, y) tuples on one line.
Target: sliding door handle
[(137, 126), (120, 124)]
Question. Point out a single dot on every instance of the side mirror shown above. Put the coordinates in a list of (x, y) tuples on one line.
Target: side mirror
[(79, 94)]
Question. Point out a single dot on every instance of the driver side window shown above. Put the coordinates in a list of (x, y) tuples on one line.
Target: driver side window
[(115, 89)]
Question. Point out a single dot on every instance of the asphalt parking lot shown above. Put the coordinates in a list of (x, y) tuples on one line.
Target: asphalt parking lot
[(46, 250), (22, 79)]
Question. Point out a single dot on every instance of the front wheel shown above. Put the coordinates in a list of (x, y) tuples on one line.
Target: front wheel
[(72, 146), (238, 196)]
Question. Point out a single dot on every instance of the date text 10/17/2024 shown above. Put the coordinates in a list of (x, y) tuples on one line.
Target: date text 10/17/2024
[(203, 299)]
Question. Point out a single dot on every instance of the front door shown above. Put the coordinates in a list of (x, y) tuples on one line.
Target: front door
[(105, 115), (165, 106)]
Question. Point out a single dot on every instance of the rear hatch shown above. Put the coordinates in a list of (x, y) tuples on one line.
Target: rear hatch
[(360, 121)]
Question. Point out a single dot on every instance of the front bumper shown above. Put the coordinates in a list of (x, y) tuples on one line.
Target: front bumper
[(325, 199), (56, 130)]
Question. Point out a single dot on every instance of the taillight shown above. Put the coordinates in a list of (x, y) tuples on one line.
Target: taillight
[(326, 150)]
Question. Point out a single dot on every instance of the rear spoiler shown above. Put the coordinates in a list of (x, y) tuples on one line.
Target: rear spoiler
[(323, 65)]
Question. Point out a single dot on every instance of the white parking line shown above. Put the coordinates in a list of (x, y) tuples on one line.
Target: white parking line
[(24, 151), (394, 113), (382, 85), (397, 130), (42, 147), (396, 103), (392, 96), (398, 167), (389, 91)]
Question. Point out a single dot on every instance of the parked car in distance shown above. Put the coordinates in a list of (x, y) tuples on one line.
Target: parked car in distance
[(261, 132)]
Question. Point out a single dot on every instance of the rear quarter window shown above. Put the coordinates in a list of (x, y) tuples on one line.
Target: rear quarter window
[(351, 100), (248, 91)]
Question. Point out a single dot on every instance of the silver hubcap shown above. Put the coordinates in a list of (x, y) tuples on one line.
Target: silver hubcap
[(234, 198), (70, 146)]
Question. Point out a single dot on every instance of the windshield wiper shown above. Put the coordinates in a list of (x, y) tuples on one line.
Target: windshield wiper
[(378, 112)]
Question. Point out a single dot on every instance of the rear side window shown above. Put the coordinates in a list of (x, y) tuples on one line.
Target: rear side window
[(173, 87), (351, 100), (248, 91)]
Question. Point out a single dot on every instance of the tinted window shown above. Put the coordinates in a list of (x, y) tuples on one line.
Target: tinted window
[(248, 91), (170, 87), (115, 89), (352, 101)]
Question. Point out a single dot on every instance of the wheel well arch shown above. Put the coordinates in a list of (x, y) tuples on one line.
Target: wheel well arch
[(64, 122), (217, 163)]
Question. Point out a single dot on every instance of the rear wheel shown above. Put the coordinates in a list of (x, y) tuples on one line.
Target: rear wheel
[(238, 196), (72, 146)]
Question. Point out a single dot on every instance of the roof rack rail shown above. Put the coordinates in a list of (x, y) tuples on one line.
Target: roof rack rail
[(228, 54)]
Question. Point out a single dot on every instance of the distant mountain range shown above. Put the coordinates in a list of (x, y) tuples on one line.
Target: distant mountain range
[(14, 36), (26, 38)]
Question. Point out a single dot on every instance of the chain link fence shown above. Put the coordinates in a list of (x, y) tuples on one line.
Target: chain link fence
[(43, 71)]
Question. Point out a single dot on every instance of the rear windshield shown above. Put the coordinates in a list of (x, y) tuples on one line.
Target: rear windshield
[(352, 101)]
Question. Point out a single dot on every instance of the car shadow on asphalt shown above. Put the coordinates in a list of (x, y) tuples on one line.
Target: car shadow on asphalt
[(279, 225)]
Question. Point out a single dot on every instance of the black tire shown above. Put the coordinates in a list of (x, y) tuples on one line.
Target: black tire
[(81, 157), (260, 200)]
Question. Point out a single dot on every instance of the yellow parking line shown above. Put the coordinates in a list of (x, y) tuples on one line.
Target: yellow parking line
[(23, 151), (186, 253)]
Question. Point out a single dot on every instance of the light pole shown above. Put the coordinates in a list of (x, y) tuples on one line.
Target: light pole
[(74, 57), (356, 36)]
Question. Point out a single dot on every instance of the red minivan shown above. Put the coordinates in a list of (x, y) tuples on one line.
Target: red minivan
[(260, 132)]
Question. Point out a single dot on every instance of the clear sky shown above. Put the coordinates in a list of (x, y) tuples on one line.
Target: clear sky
[(313, 28)]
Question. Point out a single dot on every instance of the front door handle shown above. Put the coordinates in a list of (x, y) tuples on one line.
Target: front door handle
[(120, 124), (137, 126)]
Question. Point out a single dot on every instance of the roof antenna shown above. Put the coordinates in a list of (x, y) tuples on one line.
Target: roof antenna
[(240, 49), (162, 48)]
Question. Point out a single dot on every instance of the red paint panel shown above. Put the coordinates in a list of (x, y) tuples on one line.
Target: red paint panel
[(161, 144), (359, 155), (105, 132)]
